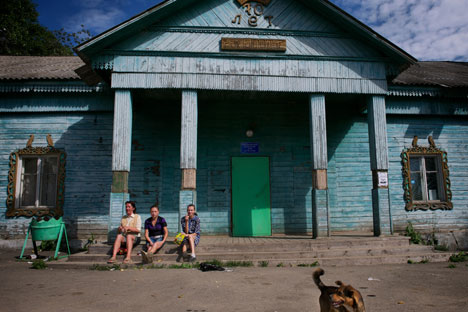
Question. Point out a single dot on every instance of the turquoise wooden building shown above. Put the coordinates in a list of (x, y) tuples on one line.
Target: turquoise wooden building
[(272, 116)]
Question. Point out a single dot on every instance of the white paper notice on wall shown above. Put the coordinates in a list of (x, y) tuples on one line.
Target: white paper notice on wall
[(382, 177)]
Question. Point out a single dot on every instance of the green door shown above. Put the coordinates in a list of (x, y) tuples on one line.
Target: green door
[(251, 196)]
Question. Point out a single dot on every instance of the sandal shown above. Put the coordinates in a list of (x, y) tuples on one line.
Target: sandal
[(127, 261), (111, 260)]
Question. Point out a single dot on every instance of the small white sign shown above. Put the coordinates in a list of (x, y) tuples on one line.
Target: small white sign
[(382, 177)]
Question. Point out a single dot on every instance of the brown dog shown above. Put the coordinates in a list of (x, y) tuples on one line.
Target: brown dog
[(338, 299)]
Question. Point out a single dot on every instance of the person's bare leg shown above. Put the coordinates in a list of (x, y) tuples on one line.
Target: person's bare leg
[(192, 244), (117, 243), (155, 247), (130, 239)]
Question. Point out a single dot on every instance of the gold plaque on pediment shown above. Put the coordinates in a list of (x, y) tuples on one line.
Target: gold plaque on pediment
[(248, 44)]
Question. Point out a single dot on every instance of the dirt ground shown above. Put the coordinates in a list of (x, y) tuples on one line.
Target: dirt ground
[(408, 287)]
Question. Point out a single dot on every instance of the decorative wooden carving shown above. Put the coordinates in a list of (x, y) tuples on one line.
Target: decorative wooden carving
[(264, 2), (57, 211), (432, 149)]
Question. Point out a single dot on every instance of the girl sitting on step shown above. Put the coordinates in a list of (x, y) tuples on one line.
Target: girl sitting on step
[(155, 233)]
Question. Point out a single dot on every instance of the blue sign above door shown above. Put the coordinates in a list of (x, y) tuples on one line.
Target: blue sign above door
[(249, 148)]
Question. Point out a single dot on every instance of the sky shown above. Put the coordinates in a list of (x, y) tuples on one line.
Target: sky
[(426, 29)]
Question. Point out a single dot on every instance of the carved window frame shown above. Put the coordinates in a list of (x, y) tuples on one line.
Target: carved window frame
[(14, 183), (441, 156)]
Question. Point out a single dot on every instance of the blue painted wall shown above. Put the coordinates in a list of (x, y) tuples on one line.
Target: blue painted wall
[(86, 137), (450, 134)]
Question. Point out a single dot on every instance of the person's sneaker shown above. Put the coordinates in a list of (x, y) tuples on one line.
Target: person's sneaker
[(144, 257), (193, 259), (180, 258)]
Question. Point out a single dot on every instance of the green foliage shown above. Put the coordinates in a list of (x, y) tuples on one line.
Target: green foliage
[(21, 33), (280, 265), (460, 257), (314, 264), (48, 245), (410, 261), (238, 263), (99, 267), (451, 266), (156, 266), (415, 237), (263, 264), (39, 264), (181, 266), (441, 248)]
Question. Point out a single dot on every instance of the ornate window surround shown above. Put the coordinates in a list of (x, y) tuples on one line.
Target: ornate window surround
[(430, 150), (50, 150)]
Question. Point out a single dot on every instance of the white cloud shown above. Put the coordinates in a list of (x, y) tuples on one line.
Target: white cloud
[(426, 29)]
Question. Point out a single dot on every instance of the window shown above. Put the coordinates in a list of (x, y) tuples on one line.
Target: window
[(426, 177), (37, 178), (36, 181)]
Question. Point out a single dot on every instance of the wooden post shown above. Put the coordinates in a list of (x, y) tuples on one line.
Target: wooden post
[(121, 157), (377, 122), (319, 156), (188, 150)]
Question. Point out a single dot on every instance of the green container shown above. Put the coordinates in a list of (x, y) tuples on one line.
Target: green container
[(45, 230)]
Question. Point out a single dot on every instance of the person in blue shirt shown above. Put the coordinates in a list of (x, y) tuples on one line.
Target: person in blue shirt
[(155, 233)]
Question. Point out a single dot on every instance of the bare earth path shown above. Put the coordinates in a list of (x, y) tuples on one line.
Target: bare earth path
[(416, 287)]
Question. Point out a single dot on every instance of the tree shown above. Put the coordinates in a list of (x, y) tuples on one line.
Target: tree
[(21, 33)]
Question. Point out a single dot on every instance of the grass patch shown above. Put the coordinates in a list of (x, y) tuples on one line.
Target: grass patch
[(415, 237), (231, 264), (280, 265), (263, 264), (183, 266), (451, 266), (308, 265), (100, 267), (38, 264), (459, 257), (441, 248), (156, 266)]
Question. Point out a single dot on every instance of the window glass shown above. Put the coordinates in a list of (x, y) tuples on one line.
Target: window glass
[(432, 186), (49, 181), (431, 164), (415, 163), (28, 179), (416, 186)]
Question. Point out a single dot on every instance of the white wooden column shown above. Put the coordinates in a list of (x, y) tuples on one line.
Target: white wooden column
[(378, 147), (121, 157), (188, 150), (319, 156)]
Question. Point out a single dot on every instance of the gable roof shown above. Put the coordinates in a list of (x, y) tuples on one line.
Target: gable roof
[(439, 74), (87, 49), (39, 67)]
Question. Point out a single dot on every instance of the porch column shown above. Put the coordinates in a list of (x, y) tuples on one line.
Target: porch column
[(318, 148), (379, 165), (121, 156), (188, 151)]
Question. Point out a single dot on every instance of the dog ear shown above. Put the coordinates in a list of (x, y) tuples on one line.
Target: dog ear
[(339, 283)]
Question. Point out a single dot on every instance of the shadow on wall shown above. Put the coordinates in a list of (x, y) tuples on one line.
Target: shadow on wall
[(86, 138)]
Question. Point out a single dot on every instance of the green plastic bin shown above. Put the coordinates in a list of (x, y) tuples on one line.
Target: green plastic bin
[(46, 230)]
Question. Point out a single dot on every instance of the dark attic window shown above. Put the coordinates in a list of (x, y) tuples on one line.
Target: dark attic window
[(426, 180), (36, 181)]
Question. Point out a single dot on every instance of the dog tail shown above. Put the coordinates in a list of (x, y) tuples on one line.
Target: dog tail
[(319, 272)]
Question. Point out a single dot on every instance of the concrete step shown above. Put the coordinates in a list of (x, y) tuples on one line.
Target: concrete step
[(280, 262), (271, 244), (254, 255)]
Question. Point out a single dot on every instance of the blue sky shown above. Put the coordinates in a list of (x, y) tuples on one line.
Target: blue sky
[(427, 29)]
